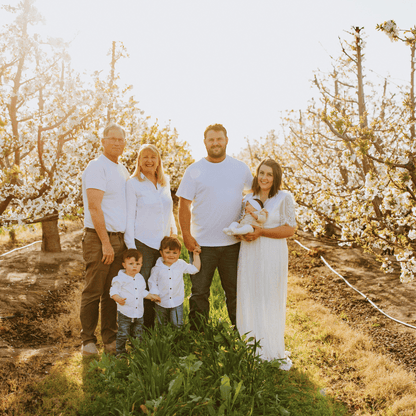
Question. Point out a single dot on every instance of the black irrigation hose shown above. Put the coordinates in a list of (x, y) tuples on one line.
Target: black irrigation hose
[(362, 294)]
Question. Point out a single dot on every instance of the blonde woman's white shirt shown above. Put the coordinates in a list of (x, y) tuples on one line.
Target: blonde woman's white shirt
[(216, 192), (149, 213), (167, 281), (131, 288), (110, 177)]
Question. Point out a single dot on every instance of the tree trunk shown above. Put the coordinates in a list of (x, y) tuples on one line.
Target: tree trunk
[(51, 241)]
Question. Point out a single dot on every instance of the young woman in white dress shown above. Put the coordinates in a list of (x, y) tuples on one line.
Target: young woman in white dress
[(263, 266)]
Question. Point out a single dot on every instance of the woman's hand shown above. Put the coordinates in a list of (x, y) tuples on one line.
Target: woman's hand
[(254, 235)]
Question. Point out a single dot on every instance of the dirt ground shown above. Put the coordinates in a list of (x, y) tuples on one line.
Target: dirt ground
[(33, 283), (394, 298)]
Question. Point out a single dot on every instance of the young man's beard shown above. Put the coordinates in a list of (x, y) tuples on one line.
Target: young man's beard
[(215, 154)]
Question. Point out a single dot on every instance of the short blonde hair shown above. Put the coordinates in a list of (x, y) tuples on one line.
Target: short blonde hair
[(160, 175)]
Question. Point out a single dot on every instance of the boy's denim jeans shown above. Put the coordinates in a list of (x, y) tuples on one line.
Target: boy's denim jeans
[(172, 315), (127, 327)]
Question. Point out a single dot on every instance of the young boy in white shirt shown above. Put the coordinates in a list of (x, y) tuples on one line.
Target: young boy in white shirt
[(166, 280), (128, 289)]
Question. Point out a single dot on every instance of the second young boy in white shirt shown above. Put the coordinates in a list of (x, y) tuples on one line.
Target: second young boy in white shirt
[(166, 280)]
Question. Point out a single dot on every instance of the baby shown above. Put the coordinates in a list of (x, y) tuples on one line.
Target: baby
[(166, 279), (128, 289), (254, 214)]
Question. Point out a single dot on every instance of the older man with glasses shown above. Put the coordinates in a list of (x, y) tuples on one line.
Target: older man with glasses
[(103, 192)]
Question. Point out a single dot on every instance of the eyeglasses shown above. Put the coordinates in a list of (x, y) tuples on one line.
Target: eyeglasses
[(114, 140)]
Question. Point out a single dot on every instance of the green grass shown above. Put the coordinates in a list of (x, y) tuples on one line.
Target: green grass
[(180, 372)]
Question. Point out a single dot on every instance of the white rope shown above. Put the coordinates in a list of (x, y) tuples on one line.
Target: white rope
[(362, 294), (20, 248)]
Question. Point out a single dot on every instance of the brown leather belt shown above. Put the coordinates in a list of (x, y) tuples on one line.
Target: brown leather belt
[(92, 230)]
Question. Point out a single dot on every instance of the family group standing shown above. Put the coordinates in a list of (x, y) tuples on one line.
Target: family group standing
[(137, 214)]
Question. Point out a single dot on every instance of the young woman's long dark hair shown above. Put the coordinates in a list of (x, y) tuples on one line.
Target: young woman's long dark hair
[(277, 177)]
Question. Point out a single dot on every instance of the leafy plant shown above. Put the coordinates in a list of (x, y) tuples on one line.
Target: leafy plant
[(179, 372)]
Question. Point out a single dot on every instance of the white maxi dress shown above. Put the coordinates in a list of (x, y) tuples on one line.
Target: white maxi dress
[(262, 282)]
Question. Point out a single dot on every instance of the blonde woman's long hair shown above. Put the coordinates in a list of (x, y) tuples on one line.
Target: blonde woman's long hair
[(160, 175)]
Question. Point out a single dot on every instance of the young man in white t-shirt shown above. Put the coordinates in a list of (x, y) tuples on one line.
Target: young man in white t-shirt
[(211, 195), (103, 191)]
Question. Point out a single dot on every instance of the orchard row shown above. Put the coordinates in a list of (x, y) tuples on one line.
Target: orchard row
[(350, 157)]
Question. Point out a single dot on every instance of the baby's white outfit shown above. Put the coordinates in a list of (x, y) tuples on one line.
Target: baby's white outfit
[(244, 226)]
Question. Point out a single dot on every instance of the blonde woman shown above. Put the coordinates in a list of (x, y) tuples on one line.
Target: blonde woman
[(149, 214)]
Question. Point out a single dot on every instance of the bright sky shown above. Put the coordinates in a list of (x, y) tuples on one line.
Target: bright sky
[(236, 62)]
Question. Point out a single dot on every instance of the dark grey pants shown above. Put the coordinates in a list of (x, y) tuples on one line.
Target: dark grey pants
[(150, 255), (225, 258)]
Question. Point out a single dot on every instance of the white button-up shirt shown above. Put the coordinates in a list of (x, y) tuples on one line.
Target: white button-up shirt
[(167, 281), (149, 213), (131, 288)]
